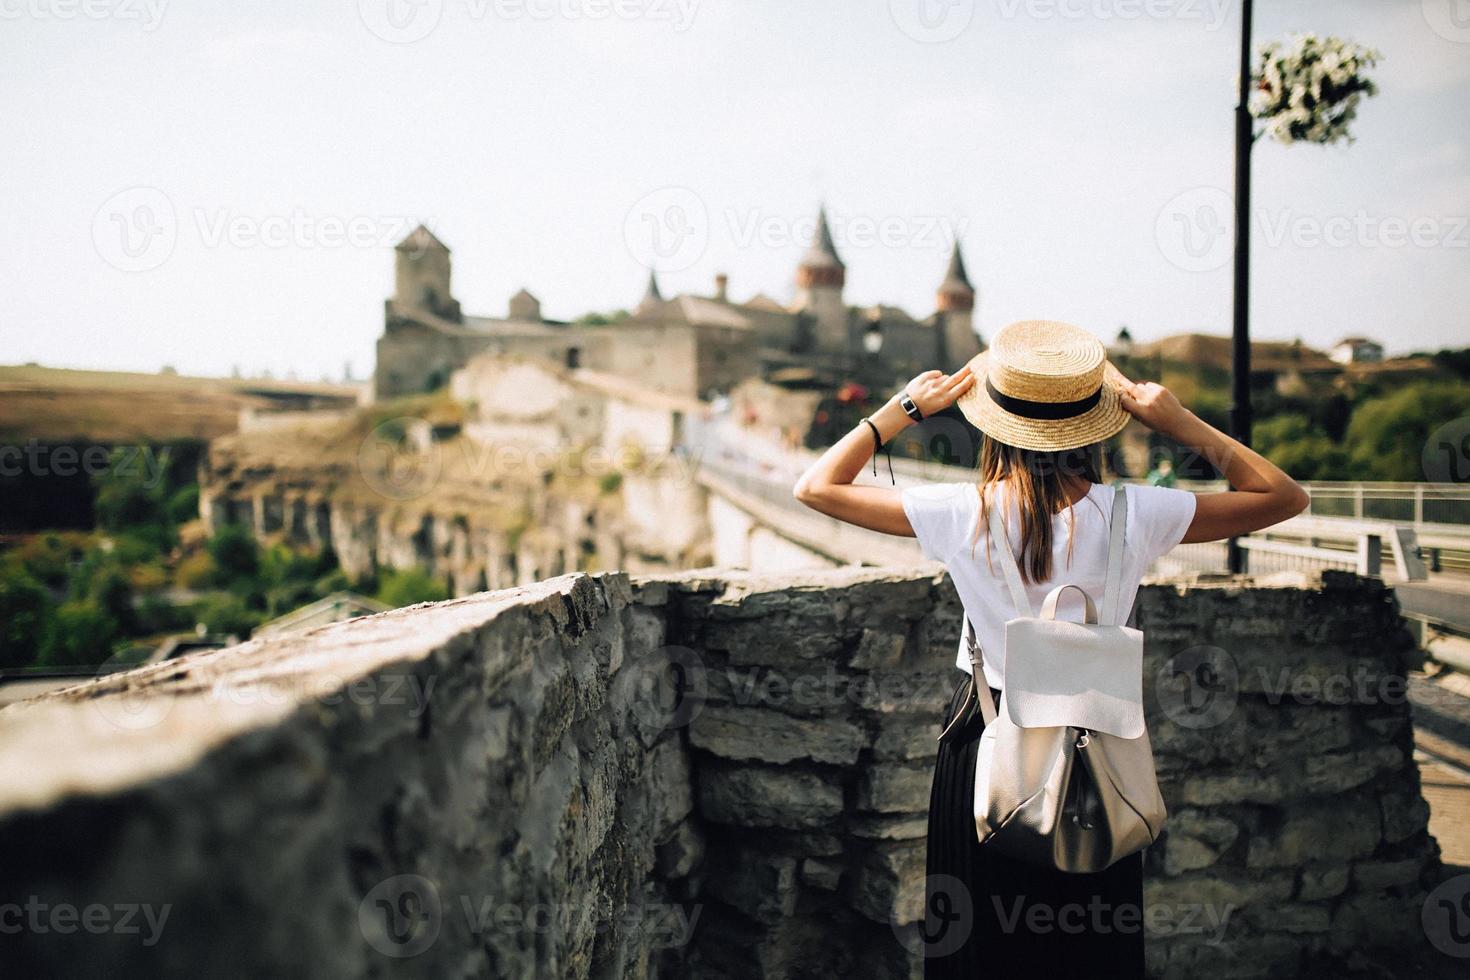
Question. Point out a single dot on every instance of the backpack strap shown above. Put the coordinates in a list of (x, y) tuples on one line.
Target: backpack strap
[(1114, 582), (1008, 564), (979, 691)]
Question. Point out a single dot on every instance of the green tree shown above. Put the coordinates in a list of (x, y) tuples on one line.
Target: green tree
[(235, 553), (1388, 434), (1291, 442), (81, 634), (226, 613), (404, 588), (25, 617)]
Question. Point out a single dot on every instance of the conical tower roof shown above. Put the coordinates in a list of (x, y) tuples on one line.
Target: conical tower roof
[(956, 278), (653, 299), (823, 253)]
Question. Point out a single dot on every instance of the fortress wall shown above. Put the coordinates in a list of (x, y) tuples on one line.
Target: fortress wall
[(711, 774)]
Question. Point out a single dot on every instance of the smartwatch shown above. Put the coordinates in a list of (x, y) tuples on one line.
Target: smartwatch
[(910, 409)]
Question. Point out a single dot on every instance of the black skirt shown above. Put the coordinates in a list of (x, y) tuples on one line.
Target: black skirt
[(987, 915)]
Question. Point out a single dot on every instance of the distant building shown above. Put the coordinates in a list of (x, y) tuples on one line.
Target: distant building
[(1357, 350), (686, 345), (1123, 345)]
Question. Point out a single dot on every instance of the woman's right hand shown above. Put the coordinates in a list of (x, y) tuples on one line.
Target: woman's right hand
[(1154, 405)]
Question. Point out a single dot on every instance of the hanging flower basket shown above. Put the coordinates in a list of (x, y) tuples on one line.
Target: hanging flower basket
[(1307, 89)]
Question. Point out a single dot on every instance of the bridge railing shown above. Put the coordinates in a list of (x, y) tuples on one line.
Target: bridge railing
[(1346, 525)]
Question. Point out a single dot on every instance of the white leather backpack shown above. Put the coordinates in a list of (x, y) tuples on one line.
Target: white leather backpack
[(1064, 776)]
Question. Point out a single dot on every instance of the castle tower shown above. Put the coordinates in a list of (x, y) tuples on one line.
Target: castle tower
[(653, 299), (524, 306), (421, 275), (819, 282), (956, 315)]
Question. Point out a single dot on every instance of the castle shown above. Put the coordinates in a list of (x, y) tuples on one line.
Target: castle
[(688, 345)]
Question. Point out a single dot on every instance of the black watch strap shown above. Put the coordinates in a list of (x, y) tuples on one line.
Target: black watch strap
[(910, 409)]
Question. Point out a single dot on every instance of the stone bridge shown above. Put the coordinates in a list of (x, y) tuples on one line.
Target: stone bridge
[(706, 774)]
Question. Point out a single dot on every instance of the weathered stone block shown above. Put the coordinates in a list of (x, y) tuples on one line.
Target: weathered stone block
[(895, 789), (760, 885), (890, 884), (826, 875), (1339, 831), (1194, 840), (734, 732), (755, 796), (1323, 881)]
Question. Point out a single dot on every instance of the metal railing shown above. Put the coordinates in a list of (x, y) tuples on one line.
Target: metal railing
[(1346, 525)]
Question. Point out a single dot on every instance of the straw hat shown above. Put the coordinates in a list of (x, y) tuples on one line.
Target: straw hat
[(1046, 386)]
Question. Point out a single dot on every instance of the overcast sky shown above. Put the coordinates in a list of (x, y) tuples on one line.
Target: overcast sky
[(219, 183)]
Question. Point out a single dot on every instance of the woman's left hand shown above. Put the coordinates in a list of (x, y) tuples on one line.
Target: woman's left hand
[(934, 391)]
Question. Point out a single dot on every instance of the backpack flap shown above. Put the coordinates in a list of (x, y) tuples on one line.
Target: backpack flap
[(1081, 675)]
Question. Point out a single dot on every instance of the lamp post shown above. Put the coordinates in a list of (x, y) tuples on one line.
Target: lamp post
[(1240, 342)]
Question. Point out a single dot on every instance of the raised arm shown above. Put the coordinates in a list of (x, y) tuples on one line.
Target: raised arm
[(1263, 494), (827, 485)]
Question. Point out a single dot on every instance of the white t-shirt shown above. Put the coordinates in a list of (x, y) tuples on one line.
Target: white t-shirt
[(943, 516)]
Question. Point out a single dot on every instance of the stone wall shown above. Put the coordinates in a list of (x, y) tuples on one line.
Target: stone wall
[(709, 774)]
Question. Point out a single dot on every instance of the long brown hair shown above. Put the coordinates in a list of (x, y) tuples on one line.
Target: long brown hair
[(1038, 481)]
